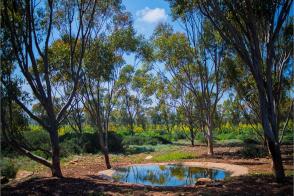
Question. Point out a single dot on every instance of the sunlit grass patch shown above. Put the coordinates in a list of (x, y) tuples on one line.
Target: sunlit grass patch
[(173, 156)]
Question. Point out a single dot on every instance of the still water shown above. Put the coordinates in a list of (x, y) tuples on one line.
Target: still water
[(166, 175)]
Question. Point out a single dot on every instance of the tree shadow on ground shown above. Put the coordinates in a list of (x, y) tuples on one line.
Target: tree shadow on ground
[(248, 185)]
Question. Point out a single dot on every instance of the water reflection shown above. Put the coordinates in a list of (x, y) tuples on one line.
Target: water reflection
[(167, 175)]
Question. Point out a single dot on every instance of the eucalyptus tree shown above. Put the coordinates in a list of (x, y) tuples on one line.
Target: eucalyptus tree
[(98, 82), (103, 62), (127, 100), (187, 109), (143, 85), (195, 64), (59, 52), (252, 29), (231, 110), (165, 105), (30, 26)]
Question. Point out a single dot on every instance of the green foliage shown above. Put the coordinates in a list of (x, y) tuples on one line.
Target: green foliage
[(132, 149), (69, 147), (200, 137), (8, 168), (74, 143), (139, 140), (147, 137), (177, 135), (123, 131), (115, 143), (253, 151), (38, 139), (288, 137), (240, 131)]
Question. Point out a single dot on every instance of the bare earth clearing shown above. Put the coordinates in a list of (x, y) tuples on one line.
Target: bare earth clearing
[(81, 176)]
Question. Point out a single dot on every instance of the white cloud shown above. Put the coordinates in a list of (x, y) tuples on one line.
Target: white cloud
[(152, 15)]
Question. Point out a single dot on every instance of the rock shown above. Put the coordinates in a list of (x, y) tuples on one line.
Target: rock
[(4, 180), (148, 157), (201, 181)]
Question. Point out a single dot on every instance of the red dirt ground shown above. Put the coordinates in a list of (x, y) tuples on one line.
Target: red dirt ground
[(81, 177)]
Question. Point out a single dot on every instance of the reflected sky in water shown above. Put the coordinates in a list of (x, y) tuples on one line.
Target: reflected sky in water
[(166, 175)]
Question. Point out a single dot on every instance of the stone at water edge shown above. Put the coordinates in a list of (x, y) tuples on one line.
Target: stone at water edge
[(148, 157), (201, 181)]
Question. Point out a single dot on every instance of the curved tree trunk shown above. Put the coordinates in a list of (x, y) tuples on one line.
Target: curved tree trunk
[(277, 163), (270, 127)]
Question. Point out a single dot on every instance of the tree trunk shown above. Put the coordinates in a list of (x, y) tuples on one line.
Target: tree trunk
[(209, 141), (192, 136), (271, 135), (277, 163), (56, 169), (104, 149), (106, 157), (132, 129)]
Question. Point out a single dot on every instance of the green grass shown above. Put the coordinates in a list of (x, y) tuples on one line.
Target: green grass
[(173, 156), (27, 164)]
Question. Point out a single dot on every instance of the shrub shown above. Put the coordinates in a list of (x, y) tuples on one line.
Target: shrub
[(177, 135), (8, 168), (134, 140), (138, 129), (145, 140), (123, 132), (115, 142), (138, 149), (75, 143), (253, 151), (69, 147), (200, 137), (38, 139), (162, 140)]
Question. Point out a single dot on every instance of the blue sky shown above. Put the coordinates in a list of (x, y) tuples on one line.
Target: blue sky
[(148, 13)]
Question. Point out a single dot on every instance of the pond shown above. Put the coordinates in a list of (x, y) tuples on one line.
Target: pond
[(166, 175)]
